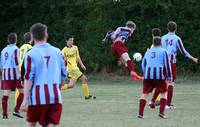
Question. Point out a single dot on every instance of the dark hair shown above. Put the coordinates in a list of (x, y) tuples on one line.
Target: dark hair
[(27, 37), (156, 41), (156, 32), (68, 37), (171, 26), (12, 38), (38, 31)]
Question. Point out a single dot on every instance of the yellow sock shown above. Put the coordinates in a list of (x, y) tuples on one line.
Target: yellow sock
[(16, 95), (85, 90), (158, 98), (64, 87)]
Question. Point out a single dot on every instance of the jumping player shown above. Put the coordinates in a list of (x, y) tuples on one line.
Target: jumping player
[(71, 55), (120, 51), (154, 64), (44, 72), (11, 75)]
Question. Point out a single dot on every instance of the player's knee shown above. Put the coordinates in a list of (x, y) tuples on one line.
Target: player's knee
[(70, 86), (164, 95), (144, 96), (171, 84), (21, 90), (6, 93), (84, 79)]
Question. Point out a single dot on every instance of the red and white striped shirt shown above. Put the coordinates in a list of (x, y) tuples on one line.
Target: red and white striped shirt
[(45, 66), (10, 62)]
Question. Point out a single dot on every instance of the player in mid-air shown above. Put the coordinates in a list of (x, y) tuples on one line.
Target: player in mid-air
[(23, 50), (120, 51), (155, 65), (171, 42), (44, 73), (72, 57), (11, 75)]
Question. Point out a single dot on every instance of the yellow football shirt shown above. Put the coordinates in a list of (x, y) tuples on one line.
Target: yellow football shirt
[(23, 50), (71, 55)]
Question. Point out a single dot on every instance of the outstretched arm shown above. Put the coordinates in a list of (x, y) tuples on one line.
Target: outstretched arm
[(108, 34), (184, 52)]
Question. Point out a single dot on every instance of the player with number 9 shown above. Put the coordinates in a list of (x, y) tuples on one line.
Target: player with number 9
[(11, 75)]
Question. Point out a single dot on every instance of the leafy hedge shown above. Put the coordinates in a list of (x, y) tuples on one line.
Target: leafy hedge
[(88, 20)]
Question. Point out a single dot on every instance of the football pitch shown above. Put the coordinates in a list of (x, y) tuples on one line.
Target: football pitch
[(116, 105)]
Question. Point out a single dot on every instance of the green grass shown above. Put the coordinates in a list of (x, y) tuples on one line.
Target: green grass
[(117, 105)]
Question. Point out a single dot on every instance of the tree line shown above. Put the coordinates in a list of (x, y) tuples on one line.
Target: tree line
[(88, 20)]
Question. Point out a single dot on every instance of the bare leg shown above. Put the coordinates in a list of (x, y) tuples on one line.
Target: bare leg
[(32, 124)]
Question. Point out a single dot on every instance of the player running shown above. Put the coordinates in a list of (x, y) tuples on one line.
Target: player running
[(71, 55), (11, 75), (154, 65), (171, 42), (119, 50), (44, 72)]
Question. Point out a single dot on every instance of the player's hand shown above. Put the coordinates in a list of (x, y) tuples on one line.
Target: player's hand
[(83, 67), (103, 41), (195, 60), (24, 105)]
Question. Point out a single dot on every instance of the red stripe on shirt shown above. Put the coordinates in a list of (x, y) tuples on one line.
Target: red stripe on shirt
[(31, 95), (4, 74), (168, 68), (148, 73), (46, 92), (37, 95), (28, 68), (55, 93), (14, 74), (181, 47), (172, 58), (160, 71), (154, 73), (9, 76), (16, 59)]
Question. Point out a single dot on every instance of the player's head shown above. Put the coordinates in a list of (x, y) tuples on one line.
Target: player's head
[(12, 38), (69, 40), (131, 24), (39, 32), (156, 32), (28, 38), (171, 26), (157, 41)]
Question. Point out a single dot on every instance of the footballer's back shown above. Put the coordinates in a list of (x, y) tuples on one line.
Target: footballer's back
[(9, 56), (46, 61)]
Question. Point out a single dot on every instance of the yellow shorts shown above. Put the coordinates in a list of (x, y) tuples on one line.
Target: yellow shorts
[(74, 74)]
